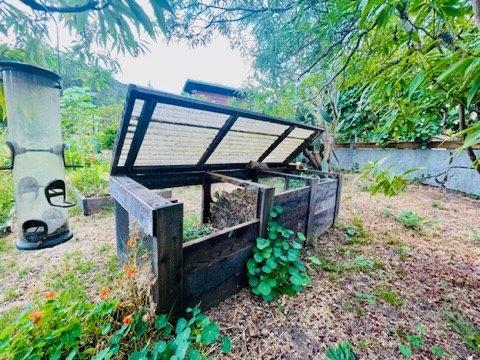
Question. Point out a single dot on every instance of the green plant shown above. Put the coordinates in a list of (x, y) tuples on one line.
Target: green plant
[(383, 180), (355, 232), (366, 297), (107, 136), (414, 342), (465, 329), (412, 220), (6, 196), (342, 351), (10, 294), (476, 235), (389, 296), (437, 352), (193, 229), (92, 180), (276, 267)]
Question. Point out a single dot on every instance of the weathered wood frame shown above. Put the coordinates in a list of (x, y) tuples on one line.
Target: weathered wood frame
[(209, 269)]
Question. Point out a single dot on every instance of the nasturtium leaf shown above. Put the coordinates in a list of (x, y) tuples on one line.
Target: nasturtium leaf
[(210, 333), (139, 355), (301, 236), (226, 344), (258, 257), (273, 214), (266, 269), (271, 263), (278, 209), (105, 328), (272, 235), (194, 354), (181, 325), (405, 350), (253, 281), (299, 279), (262, 243), (415, 341), (159, 347), (437, 351), (251, 264), (264, 288), (296, 245)]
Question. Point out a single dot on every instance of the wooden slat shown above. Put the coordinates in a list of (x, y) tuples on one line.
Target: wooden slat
[(206, 198), (208, 250), (276, 143), (216, 141), (121, 232), (338, 196), (216, 282), (324, 203), (284, 175), (266, 199), (138, 201), (139, 134), (323, 221), (235, 181), (326, 189), (310, 231)]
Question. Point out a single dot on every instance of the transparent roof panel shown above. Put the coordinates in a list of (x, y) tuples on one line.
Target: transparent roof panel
[(161, 130)]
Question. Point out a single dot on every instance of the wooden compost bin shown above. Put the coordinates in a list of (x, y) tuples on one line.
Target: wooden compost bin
[(209, 269)]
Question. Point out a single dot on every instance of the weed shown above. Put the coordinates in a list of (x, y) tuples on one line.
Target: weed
[(387, 211), (412, 220), (24, 272), (356, 233), (10, 294), (466, 330), (342, 351), (364, 264), (366, 297), (193, 229), (389, 296), (476, 235), (91, 180), (437, 204), (437, 352)]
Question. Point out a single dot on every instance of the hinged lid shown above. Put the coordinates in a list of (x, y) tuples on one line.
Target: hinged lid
[(162, 132)]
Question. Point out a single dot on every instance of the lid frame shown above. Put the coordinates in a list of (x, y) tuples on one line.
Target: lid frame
[(151, 97)]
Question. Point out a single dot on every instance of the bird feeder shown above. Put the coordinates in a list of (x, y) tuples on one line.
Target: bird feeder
[(32, 97)]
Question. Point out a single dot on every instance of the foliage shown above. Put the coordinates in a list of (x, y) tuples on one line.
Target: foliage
[(412, 220), (342, 351), (384, 180), (193, 229), (96, 28), (386, 70), (466, 330), (415, 342), (355, 232), (276, 267), (91, 180), (389, 296), (118, 323)]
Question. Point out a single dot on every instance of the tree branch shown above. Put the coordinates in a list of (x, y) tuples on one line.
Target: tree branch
[(88, 6)]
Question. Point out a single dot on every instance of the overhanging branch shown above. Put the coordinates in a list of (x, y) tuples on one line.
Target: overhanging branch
[(88, 6)]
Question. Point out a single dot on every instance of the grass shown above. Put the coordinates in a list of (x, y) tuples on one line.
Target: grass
[(6, 196), (356, 233), (389, 296), (91, 180), (465, 329), (476, 235), (11, 294)]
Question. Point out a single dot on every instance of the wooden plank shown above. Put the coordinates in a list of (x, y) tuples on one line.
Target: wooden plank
[(326, 189), (295, 204), (266, 199), (338, 197), (313, 183), (138, 201), (169, 238), (276, 143), (206, 199), (324, 203), (211, 284), (285, 175), (235, 181), (138, 136), (121, 232), (323, 221), (216, 141), (205, 251)]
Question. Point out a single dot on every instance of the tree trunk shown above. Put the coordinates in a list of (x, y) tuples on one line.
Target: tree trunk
[(463, 126)]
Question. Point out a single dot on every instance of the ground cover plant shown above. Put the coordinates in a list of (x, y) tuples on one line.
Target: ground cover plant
[(276, 267)]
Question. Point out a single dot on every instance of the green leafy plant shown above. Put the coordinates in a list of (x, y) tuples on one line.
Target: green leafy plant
[(414, 342), (355, 232), (412, 220), (366, 297), (437, 352), (384, 181), (342, 351), (91, 180), (193, 229), (276, 267), (465, 329), (389, 296)]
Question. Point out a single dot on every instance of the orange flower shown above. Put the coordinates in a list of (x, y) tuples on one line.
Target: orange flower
[(35, 316), (131, 243), (127, 319), (104, 293), (130, 271), (50, 295)]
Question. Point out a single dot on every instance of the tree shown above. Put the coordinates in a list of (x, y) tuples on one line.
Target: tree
[(98, 28), (411, 65)]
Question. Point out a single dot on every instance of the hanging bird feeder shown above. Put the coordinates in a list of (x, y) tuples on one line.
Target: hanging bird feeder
[(32, 97)]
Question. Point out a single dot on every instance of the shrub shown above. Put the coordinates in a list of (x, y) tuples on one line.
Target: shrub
[(92, 180), (276, 267), (107, 136), (384, 181)]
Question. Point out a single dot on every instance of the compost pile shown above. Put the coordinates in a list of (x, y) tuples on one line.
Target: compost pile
[(232, 208)]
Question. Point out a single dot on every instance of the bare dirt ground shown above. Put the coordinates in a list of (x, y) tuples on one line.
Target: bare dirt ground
[(418, 277)]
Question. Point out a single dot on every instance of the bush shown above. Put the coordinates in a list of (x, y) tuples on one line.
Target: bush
[(107, 136), (276, 267), (91, 181), (119, 324)]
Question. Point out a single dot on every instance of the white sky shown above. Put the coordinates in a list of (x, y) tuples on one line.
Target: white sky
[(167, 67)]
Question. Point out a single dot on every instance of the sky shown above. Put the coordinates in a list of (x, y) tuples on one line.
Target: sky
[(167, 67)]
